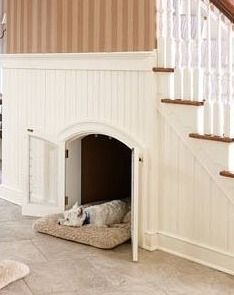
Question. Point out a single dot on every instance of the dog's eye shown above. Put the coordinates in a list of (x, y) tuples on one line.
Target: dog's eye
[(67, 219)]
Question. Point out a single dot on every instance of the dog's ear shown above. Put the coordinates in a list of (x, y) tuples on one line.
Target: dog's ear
[(81, 211), (75, 206)]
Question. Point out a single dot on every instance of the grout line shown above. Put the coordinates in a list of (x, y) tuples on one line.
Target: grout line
[(34, 244), (30, 290)]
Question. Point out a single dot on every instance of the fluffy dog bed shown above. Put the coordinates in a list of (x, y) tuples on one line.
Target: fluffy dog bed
[(99, 237), (11, 271)]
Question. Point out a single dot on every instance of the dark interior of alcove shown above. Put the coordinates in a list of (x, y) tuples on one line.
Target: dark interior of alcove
[(105, 169)]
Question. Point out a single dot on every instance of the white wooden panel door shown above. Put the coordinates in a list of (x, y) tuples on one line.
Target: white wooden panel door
[(135, 202), (44, 178), (73, 172)]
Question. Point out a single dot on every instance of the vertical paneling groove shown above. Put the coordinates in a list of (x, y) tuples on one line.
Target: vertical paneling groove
[(40, 26)]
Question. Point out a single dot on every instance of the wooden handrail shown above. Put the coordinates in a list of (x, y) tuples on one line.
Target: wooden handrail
[(226, 7)]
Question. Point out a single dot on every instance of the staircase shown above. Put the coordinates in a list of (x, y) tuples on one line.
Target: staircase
[(195, 85), (195, 43)]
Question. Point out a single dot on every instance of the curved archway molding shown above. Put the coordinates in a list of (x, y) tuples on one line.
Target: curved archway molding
[(84, 128)]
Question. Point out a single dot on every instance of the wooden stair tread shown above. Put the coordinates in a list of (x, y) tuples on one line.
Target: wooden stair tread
[(183, 102), (163, 70), (212, 137), (227, 174)]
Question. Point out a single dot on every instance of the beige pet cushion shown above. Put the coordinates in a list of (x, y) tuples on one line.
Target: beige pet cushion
[(100, 237), (11, 271)]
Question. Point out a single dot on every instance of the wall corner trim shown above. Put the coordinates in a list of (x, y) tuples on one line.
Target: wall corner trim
[(150, 241), (124, 61)]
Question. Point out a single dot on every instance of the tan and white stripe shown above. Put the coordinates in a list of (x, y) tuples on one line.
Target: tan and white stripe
[(42, 26)]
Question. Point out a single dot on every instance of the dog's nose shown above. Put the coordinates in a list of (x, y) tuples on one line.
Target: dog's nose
[(59, 223)]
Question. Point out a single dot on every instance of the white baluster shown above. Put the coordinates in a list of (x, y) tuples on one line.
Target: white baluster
[(188, 75), (161, 31), (179, 67), (198, 71), (208, 107), (170, 43), (229, 104), (218, 116)]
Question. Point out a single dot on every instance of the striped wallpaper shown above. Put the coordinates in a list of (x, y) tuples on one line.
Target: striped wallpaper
[(44, 26)]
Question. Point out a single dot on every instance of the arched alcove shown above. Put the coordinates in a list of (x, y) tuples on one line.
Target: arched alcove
[(98, 168)]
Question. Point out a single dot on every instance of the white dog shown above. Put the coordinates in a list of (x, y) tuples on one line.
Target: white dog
[(104, 214)]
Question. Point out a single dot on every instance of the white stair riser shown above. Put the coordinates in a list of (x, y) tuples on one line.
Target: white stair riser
[(190, 117), (220, 153)]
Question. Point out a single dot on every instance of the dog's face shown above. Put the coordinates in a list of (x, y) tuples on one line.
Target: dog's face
[(74, 217)]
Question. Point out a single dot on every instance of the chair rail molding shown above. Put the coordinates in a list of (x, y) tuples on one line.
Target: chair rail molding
[(126, 61)]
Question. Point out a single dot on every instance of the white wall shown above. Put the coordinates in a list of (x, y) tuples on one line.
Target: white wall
[(52, 93), (193, 216), (196, 218)]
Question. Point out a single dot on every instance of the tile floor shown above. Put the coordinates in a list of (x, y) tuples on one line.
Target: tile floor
[(66, 268)]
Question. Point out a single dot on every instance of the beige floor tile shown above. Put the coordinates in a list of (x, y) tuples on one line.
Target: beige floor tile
[(60, 267), (16, 288), (17, 230), (23, 251), (58, 249), (64, 276), (8, 213)]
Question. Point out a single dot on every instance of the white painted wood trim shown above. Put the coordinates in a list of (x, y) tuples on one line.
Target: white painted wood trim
[(124, 61), (200, 154), (196, 252), (11, 195), (86, 127), (150, 241)]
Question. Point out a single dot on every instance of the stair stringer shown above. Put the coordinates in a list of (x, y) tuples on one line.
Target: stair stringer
[(196, 148), (196, 209)]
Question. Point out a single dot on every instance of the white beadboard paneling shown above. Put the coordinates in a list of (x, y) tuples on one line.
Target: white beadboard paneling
[(51, 98), (202, 214), (51, 94), (230, 235), (219, 218)]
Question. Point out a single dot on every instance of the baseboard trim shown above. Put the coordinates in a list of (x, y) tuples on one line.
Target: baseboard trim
[(150, 241), (11, 195), (198, 253)]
